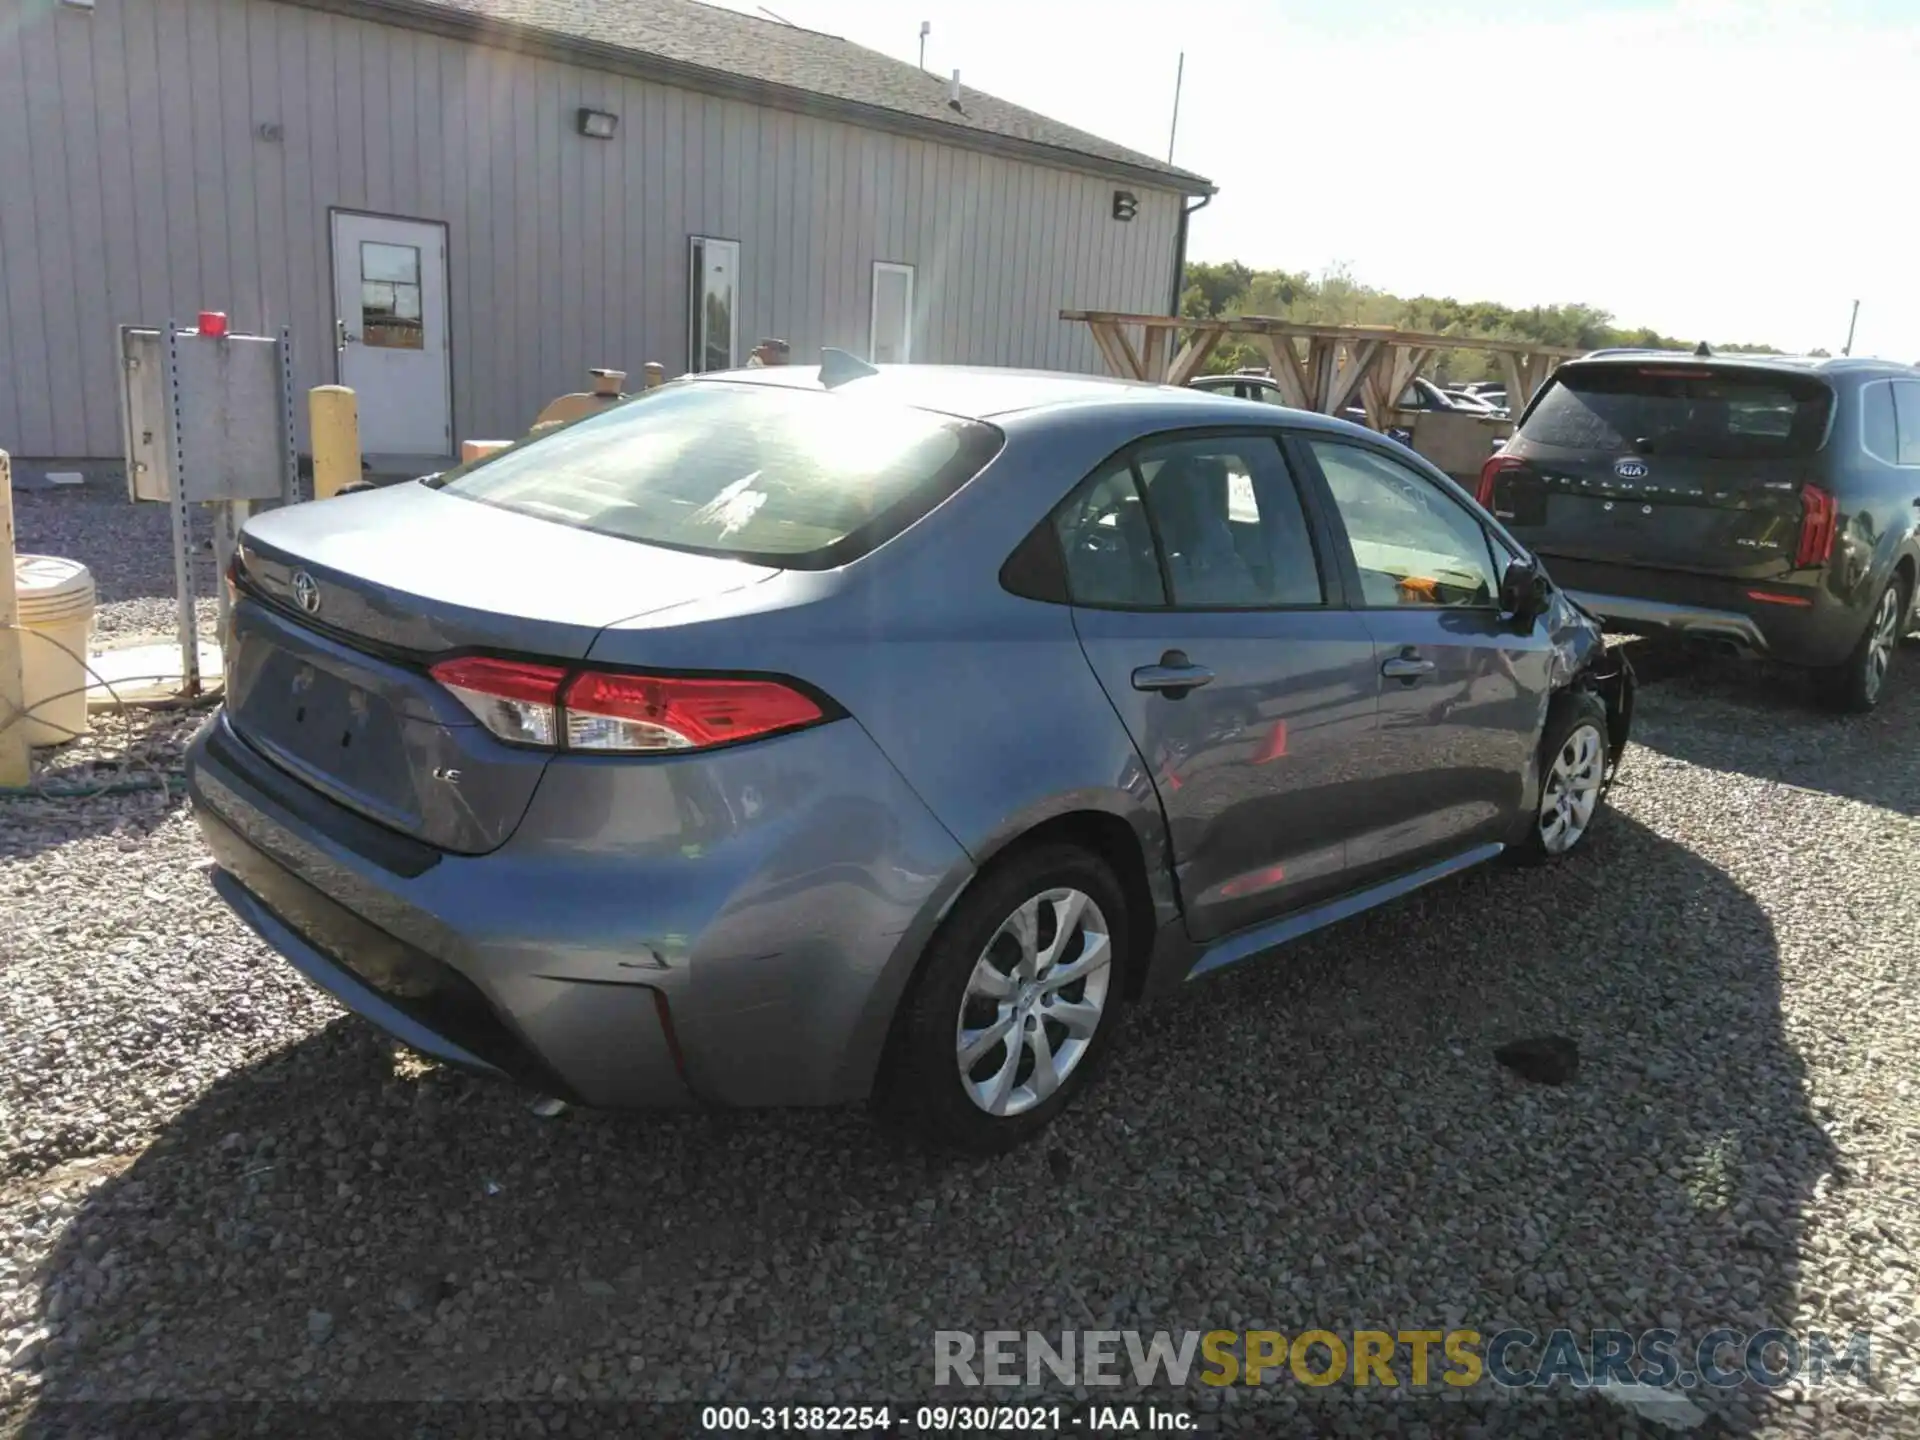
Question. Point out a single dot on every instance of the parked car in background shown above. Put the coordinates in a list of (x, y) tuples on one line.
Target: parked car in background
[(1243, 385), (801, 735), (1263, 390), (1490, 393), (1761, 504)]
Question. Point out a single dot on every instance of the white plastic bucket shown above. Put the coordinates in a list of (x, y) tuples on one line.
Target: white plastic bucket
[(56, 625)]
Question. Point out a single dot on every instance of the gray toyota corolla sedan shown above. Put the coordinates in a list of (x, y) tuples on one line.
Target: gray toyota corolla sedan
[(803, 735)]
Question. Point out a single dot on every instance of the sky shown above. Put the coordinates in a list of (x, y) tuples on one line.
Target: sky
[(1730, 170)]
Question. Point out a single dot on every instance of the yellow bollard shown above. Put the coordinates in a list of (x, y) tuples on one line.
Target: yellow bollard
[(16, 758), (334, 418)]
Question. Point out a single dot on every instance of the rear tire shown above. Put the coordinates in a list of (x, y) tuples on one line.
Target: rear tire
[(1573, 779), (1026, 978), (1856, 684)]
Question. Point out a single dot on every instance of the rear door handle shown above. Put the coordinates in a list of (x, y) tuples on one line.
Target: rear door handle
[(1406, 667), (1173, 677)]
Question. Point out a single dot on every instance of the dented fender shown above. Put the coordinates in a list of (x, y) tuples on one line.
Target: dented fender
[(1581, 656)]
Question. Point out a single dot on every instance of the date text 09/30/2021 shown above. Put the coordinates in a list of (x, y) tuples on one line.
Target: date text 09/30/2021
[(1117, 1419)]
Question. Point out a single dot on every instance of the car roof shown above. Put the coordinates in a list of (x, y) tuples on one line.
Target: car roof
[(1797, 364), (979, 392)]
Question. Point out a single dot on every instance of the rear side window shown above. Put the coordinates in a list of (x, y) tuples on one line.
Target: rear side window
[(1229, 522), (1906, 410), (1879, 433), (1216, 521), (1702, 413), (798, 479), (1108, 543)]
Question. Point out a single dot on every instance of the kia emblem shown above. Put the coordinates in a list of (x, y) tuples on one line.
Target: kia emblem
[(306, 592), (1630, 468)]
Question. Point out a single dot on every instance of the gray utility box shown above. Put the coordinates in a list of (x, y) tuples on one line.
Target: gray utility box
[(213, 416)]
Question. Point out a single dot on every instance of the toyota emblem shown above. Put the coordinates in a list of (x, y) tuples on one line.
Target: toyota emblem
[(306, 592)]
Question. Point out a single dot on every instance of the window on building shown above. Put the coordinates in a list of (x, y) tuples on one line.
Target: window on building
[(713, 309), (390, 313), (891, 340)]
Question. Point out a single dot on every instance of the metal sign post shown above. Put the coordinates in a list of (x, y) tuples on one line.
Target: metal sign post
[(207, 418)]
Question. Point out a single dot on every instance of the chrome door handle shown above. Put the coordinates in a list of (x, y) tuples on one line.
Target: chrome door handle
[(1406, 667), (1173, 677)]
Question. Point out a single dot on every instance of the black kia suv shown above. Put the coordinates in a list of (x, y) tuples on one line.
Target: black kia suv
[(1767, 505)]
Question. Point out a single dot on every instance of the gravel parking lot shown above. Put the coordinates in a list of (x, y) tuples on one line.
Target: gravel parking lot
[(216, 1186)]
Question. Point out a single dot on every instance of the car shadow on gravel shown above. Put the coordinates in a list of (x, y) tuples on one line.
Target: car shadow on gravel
[(1762, 720), (1319, 1141)]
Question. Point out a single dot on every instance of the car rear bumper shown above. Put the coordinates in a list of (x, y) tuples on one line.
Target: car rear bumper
[(1818, 630), (1695, 622), (641, 942)]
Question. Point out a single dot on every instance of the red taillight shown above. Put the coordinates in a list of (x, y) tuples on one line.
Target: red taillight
[(607, 713), (1819, 518), (1774, 597), (518, 701), (659, 712), (1492, 471)]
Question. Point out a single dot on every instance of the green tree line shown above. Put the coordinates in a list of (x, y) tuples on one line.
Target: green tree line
[(1334, 297)]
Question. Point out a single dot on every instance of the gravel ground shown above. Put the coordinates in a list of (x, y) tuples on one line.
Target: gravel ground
[(215, 1186)]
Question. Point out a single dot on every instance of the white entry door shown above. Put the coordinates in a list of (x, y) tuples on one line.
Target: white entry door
[(390, 308), (891, 339)]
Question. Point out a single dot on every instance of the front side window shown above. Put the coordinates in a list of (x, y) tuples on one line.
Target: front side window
[(791, 478), (1412, 543)]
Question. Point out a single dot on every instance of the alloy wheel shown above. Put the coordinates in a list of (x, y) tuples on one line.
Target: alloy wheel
[(1033, 1002), (1572, 789), (1882, 641)]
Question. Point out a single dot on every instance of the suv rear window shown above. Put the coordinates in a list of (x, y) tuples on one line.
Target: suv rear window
[(1706, 413), (799, 479)]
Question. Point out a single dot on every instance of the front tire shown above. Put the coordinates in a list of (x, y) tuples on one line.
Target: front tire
[(1015, 1004), (1573, 778), (1855, 685)]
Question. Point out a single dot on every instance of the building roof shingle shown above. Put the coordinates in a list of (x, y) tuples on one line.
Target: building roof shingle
[(707, 47)]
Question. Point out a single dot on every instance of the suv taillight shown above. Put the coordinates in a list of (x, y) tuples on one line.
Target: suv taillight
[(1492, 471), (1819, 517), (604, 712)]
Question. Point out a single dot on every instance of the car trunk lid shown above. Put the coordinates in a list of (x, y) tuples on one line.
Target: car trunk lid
[(1670, 466), (348, 603)]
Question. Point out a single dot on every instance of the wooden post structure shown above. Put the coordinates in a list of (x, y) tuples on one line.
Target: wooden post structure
[(1342, 365), (334, 421), (16, 758)]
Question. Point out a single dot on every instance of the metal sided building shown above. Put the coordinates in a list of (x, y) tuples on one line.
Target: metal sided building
[(460, 206)]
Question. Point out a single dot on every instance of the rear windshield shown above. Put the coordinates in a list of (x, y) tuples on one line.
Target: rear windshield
[(1677, 412), (799, 479)]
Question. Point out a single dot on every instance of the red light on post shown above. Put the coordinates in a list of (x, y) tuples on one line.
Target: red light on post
[(213, 324)]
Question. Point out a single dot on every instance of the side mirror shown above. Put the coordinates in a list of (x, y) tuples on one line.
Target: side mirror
[(1525, 592)]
